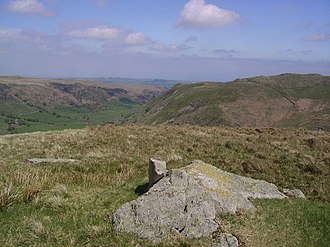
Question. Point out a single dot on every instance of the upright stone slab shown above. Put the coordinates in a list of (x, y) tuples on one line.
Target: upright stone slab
[(157, 170)]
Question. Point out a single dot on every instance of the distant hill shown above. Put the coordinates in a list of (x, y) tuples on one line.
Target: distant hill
[(72, 92), (286, 100), (33, 104)]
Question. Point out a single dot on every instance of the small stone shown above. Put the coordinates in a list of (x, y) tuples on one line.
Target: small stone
[(226, 240), (296, 193), (157, 170)]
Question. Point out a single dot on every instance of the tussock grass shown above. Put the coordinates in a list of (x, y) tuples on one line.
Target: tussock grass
[(289, 222), (70, 204), (7, 195)]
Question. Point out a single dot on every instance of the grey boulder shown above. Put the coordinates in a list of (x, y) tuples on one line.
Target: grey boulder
[(185, 202), (174, 205)]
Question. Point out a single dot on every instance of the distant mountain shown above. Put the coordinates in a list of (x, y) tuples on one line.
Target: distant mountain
[(286, 100), (72, 92)]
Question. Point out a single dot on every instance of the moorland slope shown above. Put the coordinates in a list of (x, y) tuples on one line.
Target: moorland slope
[(56, 204), (286, 100)]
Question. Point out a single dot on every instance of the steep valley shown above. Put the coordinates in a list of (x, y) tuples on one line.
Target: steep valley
[(32, 104)]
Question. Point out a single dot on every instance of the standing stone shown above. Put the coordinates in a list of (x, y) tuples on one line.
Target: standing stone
[(157, 170)]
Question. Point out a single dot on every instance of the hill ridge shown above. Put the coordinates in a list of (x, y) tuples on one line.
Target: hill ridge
[(286, 100)]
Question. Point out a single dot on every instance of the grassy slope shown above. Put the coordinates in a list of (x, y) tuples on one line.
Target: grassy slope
[(69, 205), (288, 100)]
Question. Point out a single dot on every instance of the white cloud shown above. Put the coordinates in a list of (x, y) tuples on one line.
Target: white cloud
[(136, 39), (199, 14), (102, 33), (168, 48), (114, 39), (28, 7), (316, 37)]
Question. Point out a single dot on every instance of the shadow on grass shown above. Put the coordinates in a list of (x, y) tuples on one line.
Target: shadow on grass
[(141, 189)]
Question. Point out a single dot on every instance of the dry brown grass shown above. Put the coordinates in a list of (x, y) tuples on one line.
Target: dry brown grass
[(113, 161)]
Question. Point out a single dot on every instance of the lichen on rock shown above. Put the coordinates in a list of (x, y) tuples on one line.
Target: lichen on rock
[(185, 202)]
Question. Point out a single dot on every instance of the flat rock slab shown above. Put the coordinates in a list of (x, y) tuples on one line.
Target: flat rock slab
[(50, 160), (230, 192), (185, 202), (295, 193)]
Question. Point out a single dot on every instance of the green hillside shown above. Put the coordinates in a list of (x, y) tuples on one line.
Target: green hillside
[(286, 100)]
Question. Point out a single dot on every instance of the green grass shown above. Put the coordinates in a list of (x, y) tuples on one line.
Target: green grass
[(294, 222), (46, 118), (70, 204)]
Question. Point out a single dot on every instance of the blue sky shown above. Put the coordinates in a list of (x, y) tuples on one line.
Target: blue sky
[(216, 40)]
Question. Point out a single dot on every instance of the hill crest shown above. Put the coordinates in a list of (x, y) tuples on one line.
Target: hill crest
[(286, 100)]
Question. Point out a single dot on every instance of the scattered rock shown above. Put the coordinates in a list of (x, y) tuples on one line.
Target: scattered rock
[(49, 160), (296, 193), (185, 202), (226, 240), (157, 169)]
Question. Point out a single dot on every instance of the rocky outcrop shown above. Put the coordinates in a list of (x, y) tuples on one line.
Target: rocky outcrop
[(185, 202), (295, 193), (174, 205), (230, 192)]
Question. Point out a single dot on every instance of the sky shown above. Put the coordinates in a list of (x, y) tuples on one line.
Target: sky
[(195, 40)]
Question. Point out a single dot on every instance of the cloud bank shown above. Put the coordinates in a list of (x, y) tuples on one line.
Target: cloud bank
[(136, 39), (95, 33)]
